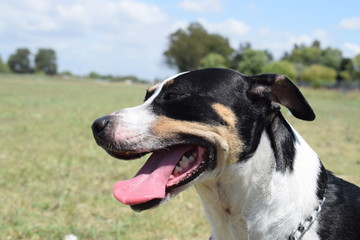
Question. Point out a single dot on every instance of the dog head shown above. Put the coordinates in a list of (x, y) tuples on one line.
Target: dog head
[(192, 124)]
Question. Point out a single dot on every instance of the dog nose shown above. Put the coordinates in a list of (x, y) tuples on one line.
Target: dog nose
[(101, 123)]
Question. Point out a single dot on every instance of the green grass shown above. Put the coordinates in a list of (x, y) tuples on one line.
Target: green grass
[(54, 179)]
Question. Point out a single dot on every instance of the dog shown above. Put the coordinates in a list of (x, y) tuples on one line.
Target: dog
[(223, 132)]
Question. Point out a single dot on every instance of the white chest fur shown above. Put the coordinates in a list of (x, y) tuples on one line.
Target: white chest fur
[(253, 201)]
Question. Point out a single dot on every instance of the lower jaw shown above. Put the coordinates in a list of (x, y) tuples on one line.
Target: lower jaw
[(147, 205), (154, 202)]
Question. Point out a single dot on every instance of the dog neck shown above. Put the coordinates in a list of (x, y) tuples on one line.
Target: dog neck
[(254, 199)]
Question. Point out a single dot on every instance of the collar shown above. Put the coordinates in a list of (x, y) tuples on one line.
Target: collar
[(306, 224)]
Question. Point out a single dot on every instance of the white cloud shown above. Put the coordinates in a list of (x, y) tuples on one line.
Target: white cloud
[(279, 42), (350, 23), (80, 15), (178, 25), (230, 28), (202, 6), (292, 39), (308, 39), (116, 37), (264, 31), (351, 49), (18, 18), (142, 12), (110, 16), (251, 6)]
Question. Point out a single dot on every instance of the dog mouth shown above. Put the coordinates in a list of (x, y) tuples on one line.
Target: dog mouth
[(167, 172)]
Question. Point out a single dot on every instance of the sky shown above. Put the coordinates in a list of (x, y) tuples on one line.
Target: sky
[(128, 37)]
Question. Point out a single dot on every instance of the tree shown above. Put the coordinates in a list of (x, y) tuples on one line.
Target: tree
[(346, 69), (253, 61), (188, 47), (282, 67), (3, 66), (356, 61), (331, 57), (213, 60), (94, 75), (344, 75), (318, 74), (19, 62), (45, 61), (238, 56), (313, 54), (305, 55), (356, 64), (66, 73), (316, 43)]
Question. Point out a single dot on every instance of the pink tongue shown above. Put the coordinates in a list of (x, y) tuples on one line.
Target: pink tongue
[(150, 182)]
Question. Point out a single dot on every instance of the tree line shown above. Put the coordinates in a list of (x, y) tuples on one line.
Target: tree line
[(20, 62), (195, 48), (45, 62)]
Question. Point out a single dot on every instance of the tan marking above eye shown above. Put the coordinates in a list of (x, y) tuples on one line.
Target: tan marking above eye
[(225, 138), (169, 82), (152, 88), (225, 113)]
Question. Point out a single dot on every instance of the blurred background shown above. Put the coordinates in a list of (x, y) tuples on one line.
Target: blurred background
[(65, 63), (145, 38)]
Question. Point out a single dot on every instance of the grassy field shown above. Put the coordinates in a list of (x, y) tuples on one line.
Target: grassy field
[(55, 181)]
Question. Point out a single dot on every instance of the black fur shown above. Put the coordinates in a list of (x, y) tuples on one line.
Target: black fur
[(282, 142), (340, 217)]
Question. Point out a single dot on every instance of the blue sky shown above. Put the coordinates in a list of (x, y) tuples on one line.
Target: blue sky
[(123, 37)]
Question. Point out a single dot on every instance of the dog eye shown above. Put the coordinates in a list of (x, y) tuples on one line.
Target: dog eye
[(174, 96)]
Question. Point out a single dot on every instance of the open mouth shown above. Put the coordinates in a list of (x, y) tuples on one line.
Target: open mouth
[(164, 174)]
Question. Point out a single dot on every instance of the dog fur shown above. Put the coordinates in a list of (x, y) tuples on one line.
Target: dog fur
[(258, 179)]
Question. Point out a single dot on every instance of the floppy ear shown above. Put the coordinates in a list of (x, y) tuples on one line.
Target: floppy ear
[(279, 89)]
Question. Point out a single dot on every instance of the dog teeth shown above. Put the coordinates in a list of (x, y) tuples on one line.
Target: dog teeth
[(184, 162), (178, 170)]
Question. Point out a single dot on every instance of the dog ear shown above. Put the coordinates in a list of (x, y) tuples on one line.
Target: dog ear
[(279, 89)]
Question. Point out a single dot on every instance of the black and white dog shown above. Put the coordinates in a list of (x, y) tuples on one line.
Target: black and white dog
[(224, 133)]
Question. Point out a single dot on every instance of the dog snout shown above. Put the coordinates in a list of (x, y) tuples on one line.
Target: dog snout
[(103, 124)]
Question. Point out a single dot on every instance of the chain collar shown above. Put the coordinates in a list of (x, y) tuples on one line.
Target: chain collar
[(305, 225)]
